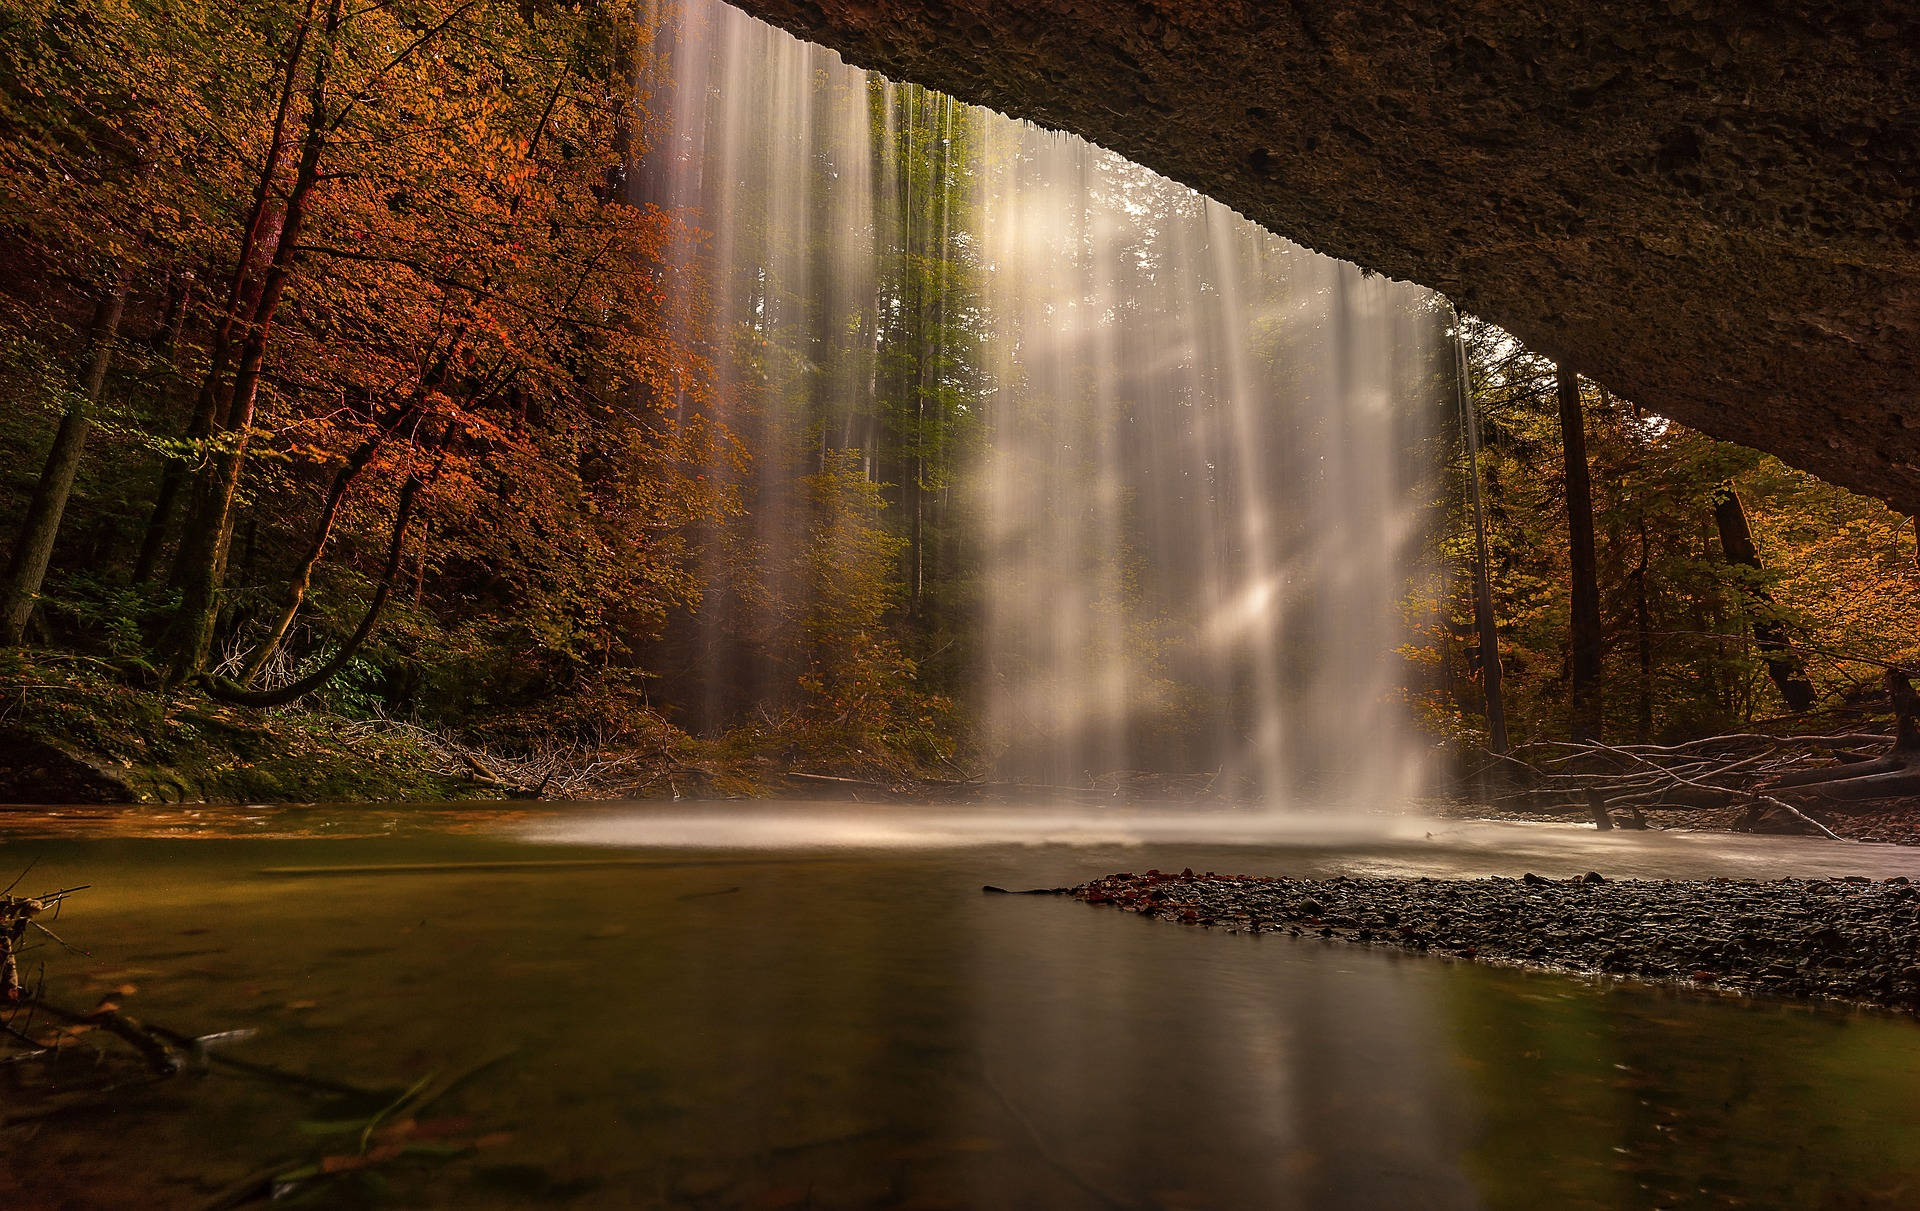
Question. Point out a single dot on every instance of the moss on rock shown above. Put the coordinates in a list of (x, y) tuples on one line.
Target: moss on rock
[(74, 733)]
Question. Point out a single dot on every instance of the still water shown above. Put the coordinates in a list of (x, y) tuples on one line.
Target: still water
[(810, 1006)]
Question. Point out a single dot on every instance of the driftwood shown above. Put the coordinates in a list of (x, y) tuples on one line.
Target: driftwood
[(1777, 778), (152, 1047), (480, 772), (18, 914), (121, 1057), (164, 1052), (1896, 774), (582, 771)]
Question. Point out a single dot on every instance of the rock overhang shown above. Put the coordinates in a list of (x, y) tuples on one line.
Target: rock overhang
[(1707, 206)]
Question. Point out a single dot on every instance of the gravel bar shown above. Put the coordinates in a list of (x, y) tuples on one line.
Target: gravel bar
[(1849, 939)]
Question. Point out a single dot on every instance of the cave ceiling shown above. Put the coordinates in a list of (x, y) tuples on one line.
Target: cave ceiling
[(1708, 207)]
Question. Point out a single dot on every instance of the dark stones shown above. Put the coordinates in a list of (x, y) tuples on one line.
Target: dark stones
[(35, 771), (1843, 938)]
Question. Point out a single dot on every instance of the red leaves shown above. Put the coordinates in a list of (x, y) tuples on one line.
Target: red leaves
[(1155, 892)]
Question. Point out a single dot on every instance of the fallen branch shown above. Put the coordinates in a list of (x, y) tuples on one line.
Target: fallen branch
[(1895, 774), (1752, 769), (159, 1056), (1766, 800), (17, 915)]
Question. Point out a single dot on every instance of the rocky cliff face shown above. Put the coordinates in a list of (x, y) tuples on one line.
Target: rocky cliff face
[(1707, 205)]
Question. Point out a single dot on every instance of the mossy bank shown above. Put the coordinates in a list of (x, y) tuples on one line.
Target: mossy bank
[(73, 732)]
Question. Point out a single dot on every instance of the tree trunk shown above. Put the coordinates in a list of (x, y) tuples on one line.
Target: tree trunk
[(1587, 703), (1906, 714), (173, 471), (323, 530), (242, 301), (1643, 628), (165, 338), (916, 560), (1484, 621), (33, 550), (1736, 543), (1896, 775), (154, 539), (201, 568), (241, 696)]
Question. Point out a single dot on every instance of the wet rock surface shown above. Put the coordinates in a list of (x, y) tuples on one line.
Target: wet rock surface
[(1850, 939), (35, 771), (1707, 206)]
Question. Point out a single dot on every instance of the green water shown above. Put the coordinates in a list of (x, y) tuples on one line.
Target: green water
[(856, 1025)]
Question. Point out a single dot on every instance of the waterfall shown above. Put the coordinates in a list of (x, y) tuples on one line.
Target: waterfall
[(1183, 455)]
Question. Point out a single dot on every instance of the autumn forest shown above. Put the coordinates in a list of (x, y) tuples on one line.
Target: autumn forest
[(383, 423)]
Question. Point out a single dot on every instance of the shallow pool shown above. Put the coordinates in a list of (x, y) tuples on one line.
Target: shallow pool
[(815, 1006)]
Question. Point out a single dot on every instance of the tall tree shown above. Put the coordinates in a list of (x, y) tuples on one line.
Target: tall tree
[(33, 549), (1485, 622), (1769, 632), (1643, 641), (1583, 568), (201, 567)]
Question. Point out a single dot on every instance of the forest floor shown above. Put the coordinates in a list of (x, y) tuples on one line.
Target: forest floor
[(74, 731), (1847, 939)]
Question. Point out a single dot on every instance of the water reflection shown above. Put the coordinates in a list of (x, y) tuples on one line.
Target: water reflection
[(841, 1027), (1250, 1072)]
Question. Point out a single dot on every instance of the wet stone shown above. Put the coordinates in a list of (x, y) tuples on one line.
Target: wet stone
[(1840, 939)]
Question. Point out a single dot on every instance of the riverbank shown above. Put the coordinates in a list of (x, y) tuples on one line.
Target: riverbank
[(1889, 821), (75, 731), (72, 732), (1847, 939)]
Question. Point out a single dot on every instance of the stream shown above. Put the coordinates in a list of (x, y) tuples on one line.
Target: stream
[(813, 1005)]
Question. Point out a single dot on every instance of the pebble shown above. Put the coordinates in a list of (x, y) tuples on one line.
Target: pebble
[(1846, 938)]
